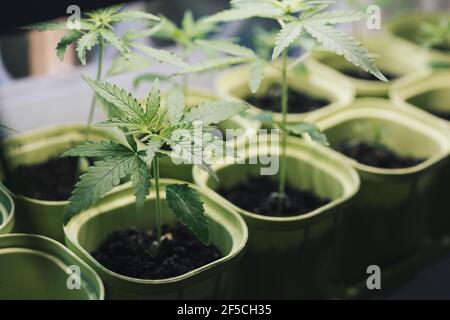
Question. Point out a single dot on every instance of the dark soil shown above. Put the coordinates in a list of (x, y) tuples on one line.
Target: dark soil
[(129, 253), (298, 102), (363, 75), (441, 114), (52, 180), (257, 195), (376, 155)]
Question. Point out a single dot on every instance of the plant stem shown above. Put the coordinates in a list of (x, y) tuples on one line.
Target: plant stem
[(158, 198), (284, 111), (98, 77)]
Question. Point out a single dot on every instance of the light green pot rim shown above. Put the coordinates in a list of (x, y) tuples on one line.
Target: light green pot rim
[(70, 231), (8, 217), (296, 148), (324, 77), (384, 109), (416, 84), (44, 135), (43, 243)]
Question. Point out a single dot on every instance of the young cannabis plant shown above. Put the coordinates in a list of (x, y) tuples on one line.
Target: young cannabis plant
[(296, 18), (150, 129), (436, 35), (95, 29)]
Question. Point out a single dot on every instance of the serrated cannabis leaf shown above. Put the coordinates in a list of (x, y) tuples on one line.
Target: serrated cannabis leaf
[(213, 64), (312, 130), (345, 45), (187, 206), (148, 77), (68, 38), (287, 35), (175, 105), (111, 38), (104, 149), (336, 17), (161, 55), (256, 75), (96, 182), (213, 112), (227, 47), (86, 43), (140, 178)]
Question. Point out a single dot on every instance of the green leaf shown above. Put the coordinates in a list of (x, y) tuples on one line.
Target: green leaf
[(86, 43), (186, 205), (335, 17), (95, 183), (118, 97), (287, 35), (153, 101), (69, 38), (212, 112), (132, 62), (134, 15), (175, 105), (213, 64), (47, 26), (227, 47), (243, 11), (256, 75), (104, 149), (343, 44), (112, 39), (161, 55), (140, 178), (148, 77), (312, 130)]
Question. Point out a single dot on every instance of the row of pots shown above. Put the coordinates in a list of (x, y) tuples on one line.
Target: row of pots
[(377, 216)]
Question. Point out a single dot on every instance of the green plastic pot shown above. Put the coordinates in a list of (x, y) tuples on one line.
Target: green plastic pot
[(39, 216), (405, 36), (37, 268), (387, 219), (117, 211), (6, 211), (319, 81), (195, 97), (287, 257), (424, 92), (388, 61)]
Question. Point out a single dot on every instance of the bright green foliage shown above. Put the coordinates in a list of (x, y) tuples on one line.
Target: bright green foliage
[(95, 28), (436, 35), (186, 204), (154, 125), (302, 128)]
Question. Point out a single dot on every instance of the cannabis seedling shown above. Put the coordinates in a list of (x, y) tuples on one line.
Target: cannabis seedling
[(95, 29), (296, 18), (150, 129)]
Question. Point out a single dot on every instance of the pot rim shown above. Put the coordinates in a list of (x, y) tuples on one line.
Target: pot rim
[(236, 250), (223, 85), (295, 148), (365, 106), (8, 221), (37, 241)]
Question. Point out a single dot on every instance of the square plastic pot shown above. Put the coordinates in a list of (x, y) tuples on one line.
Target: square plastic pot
[(117, 211), (405, 35), (319, 81), (424, 93), (40, 216), (387, 221), (195, 97), (7, 211), (39, 268), (387, 61), (287, 257)]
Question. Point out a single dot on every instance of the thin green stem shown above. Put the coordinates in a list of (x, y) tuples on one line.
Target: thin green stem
[(158, 198), (98, 77), (284, 111)]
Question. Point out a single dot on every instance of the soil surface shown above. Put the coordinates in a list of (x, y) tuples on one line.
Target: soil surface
[(52, 180), (257, 195), (298, 102), (363, 75), (129, 252), (376, 155), (441, 114)]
